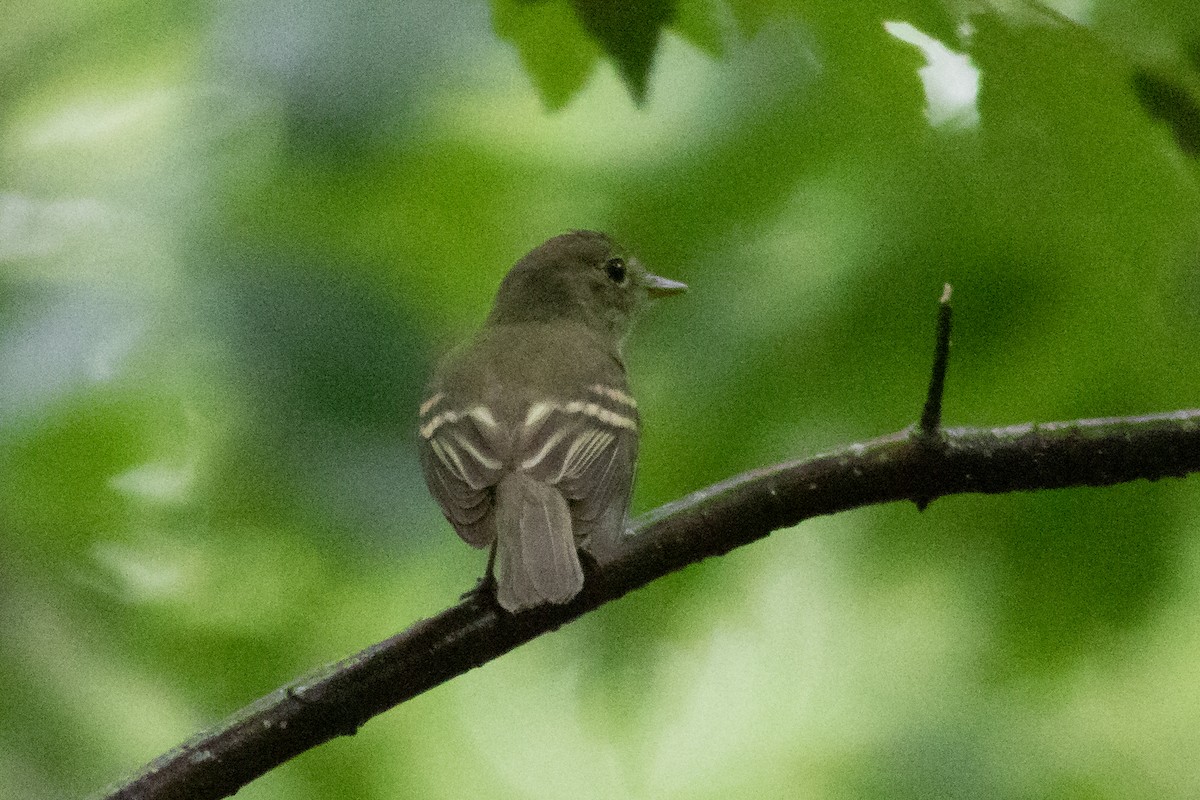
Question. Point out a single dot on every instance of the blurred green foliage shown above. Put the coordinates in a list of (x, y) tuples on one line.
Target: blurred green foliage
[(233, 236)]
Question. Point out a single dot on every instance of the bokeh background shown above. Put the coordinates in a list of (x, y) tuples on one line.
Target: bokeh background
[(234, 236)]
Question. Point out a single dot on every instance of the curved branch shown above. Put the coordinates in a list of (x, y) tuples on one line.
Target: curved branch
[(920, 463), (903, 466)]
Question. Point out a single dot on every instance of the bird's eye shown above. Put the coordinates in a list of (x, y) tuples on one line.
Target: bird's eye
[(615, 267)]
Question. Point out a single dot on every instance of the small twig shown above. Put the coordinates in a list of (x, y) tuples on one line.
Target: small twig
[(931, 418), (928, 433)]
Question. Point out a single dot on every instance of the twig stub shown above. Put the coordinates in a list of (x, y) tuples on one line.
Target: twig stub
[(929, 429)]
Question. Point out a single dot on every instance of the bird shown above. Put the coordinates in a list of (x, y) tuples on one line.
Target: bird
[(528, 433)]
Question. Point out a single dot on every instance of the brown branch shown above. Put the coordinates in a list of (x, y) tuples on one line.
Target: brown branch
[(918, 464), (710, 522)]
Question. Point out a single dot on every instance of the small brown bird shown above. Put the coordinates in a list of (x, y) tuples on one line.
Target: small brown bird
[(528, 433)]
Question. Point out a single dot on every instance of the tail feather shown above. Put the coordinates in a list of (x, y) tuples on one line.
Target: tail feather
[(536, 559)]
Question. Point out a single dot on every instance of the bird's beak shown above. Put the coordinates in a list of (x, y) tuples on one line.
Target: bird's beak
[(657, 286)]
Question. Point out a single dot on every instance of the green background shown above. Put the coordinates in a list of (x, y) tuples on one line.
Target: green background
[(235, 235)]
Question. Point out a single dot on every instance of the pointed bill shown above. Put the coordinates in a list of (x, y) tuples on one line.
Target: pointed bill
[(658, 286)]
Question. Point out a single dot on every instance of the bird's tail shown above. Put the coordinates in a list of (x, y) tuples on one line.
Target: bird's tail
[(536, 559)]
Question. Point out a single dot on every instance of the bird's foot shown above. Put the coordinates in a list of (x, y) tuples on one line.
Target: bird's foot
[(484, 589)]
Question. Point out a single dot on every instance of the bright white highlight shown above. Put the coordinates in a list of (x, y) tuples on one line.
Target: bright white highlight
[(951, 81)]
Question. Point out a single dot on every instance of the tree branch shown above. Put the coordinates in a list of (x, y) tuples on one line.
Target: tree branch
[(917, 464), (710, 522)]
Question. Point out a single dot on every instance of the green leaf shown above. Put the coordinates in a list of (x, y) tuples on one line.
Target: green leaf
[(556, 52), (702, 23), (628, 31), (1168, 99), (558, 40)]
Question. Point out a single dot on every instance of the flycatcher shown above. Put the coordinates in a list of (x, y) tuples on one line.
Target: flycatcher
[(528, 433)]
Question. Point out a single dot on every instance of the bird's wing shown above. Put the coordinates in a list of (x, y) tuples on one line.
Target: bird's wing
[(461, 465), (600, 498), (587, 449)]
